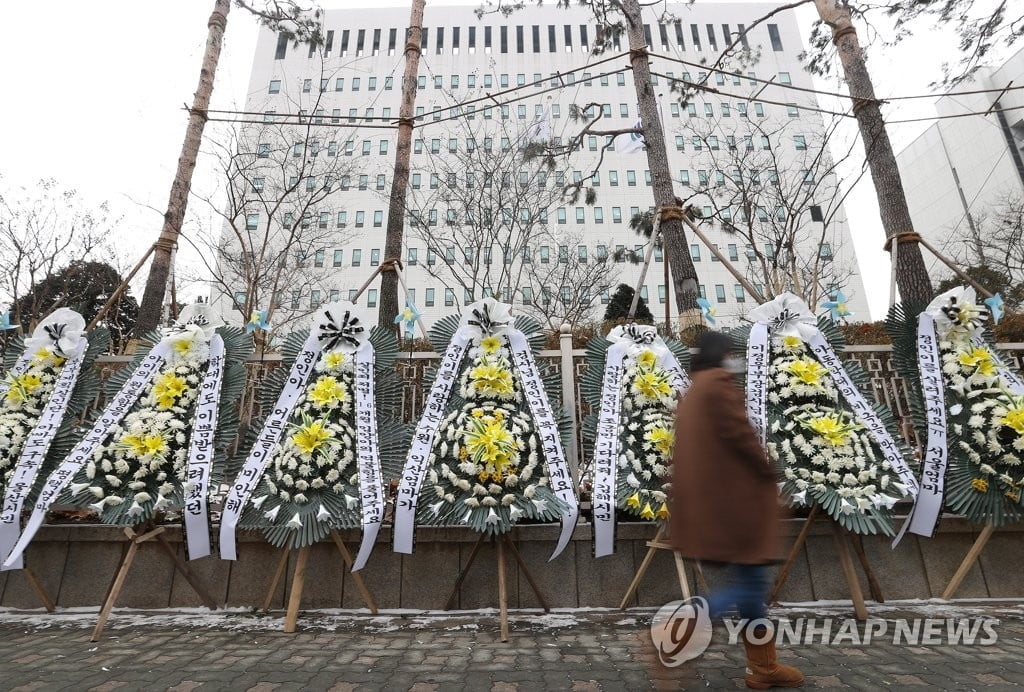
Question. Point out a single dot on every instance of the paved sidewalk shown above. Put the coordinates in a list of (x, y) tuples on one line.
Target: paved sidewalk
[(568, 650)]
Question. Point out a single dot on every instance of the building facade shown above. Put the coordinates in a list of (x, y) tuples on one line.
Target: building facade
[(963, 167), (499, 107)]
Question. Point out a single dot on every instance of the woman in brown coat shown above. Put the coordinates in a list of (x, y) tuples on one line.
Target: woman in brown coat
[(725, 501)]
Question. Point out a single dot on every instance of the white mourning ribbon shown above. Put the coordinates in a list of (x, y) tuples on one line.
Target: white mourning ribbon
[(547, 429), (925, 514), (37, 444), (62, 331), (200, 455), (73, 463), (417, 461), (606, 450), (371, 484), (758, 355), (863, 411), (626, 341)]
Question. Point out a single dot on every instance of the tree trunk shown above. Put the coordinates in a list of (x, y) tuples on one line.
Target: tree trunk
[(151, 307), (400, 179), (911, 273), (676, 249)]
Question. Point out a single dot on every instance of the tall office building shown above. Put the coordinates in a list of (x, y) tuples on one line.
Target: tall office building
[(486, 216), (964, 166)]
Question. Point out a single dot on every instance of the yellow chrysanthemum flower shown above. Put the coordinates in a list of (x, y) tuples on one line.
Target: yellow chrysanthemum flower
[(834, 430), (652, 385), (490, 344), (311, 436), (22, 386), (334, 359), (168, 388), (1014, 419), (647, 359), (44, 354), (792, 343), (980, 484), (327, 392), (183, 346), (153, 444), (662, 438), (491, 445), (980, 359), (807, 370), (491, 380)]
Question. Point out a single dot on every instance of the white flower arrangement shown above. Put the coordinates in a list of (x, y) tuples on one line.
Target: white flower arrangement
[(316, 456), (646, 438), (145, 455), (487, 461), (986, 416), (825, 454), (22, 405)]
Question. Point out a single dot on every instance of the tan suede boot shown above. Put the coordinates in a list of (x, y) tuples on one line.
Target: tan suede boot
[(763, 669)]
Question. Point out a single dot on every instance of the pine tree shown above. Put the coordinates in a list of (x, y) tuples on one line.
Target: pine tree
[(622, 299)]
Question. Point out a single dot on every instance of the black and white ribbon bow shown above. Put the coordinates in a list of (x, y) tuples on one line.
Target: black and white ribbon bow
[(55, 332), (640, 334), (484, 321), (349, 334)]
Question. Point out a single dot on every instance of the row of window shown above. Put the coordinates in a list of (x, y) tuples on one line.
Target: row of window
[(360, 42), (527, 295), (504, 81), (543, 254)]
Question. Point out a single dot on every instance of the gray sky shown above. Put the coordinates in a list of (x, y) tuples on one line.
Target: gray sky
[(96, 94)]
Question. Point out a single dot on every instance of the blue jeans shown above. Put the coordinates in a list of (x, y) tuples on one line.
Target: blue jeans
[(745, 588)]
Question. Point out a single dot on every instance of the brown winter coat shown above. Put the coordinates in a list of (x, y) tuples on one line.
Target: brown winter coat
[(725, 504)]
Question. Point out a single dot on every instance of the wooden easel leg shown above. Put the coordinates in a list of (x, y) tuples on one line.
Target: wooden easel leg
[(34, 582), (526, 572), (282, 565), (115, 589), (183, 568), (852, 581), (874, 588), (969, 560), (295, 596), (794, 552), (462, 574), (701, 581), (502, 592), (356, 576), (642, 570), (684, 585)]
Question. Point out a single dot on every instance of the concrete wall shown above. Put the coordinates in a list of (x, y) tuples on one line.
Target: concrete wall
[(76, 565)]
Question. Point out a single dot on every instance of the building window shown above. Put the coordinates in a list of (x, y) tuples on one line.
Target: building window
[(357, 258), (252, 222), (792, 111), (378, 219), (429, 299), (337, 258), (375, 257), (720, 293), (773, 35), (371, 298), (801, 142)]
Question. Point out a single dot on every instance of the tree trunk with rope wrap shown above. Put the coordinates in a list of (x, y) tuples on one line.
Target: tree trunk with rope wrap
[(151, 307), (400, 180), (676, 250), (911, 274)]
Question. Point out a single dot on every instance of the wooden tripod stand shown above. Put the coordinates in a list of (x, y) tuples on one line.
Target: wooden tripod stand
[(660, 542), (501, 541), (972, 556), (135, 541), (844, 540), (299, 581), (37, 588)]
